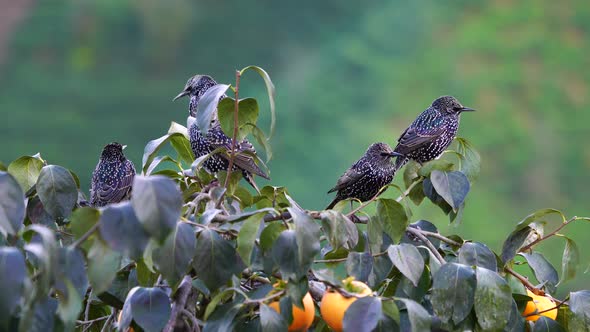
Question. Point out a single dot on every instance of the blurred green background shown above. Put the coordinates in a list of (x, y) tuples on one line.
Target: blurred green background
[(75, 75)]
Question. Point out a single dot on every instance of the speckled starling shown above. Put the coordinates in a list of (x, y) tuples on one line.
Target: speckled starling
[(112, 178), (366, 176), (431, 133), (203, 144)]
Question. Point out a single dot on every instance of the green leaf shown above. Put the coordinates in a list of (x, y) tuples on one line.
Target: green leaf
[(514, 242), (359, 265), (247, 114), (122, 231), (493, 300), (453, 291), (579, 306), (208, 106), (12, 282), (70, 304), (103, 264), (262, 140), (173, 258), (247, 236), (418, 317), (545, 324), (81, 222), (515, 320), (341, 232), (26, 170), (440, 165), (270, 89), (12, 205), (152, 147), (222, 318), (44, 247), (452, 186), (478, 254), (37, 214), (40, 317), (391, 310), (71, 267), (307, 233), (270, 320), (182, 145), (536, 216), (57, 190), (470, 159), (393, 218), (362, 315), (408, 260), (157, 202), (570, 260), (544, 272), (149, 308), (285, 255), (270, 233), (216, 260)]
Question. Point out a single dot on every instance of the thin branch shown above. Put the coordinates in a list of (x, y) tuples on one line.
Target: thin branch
[(336, 260), (179, 303), (106, 324), (428, 244), (87, 322), (525, 281), (554, 308), (264, 299), (192, 318), (530, 245), (86, 235), (87, 310), (439, 237)]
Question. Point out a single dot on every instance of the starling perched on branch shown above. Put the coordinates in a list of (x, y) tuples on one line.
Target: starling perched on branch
[(204, 143), (366, 176), (431, 133), (112, 178)]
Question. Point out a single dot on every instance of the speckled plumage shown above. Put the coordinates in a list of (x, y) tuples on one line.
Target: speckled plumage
[(431, 133), (112, 178), (203, 144), (366, 176)]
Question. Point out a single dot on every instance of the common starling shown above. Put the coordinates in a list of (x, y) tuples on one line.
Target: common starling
[(112, 178), (203, 144), (431, 133), (366, 176)]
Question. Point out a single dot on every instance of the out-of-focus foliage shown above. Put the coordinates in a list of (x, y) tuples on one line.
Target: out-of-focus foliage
[(79, 74)]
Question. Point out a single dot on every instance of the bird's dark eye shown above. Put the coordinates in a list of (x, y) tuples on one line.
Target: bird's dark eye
[(384, 154)]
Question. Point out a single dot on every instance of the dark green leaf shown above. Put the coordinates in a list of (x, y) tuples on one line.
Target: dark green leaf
[(434, 197), (71, 267), (393, 217), (307, 233), (174, 257), (513, 243), (222, 318), (536, 216), (453, 291), (359, 265), (285, 255), (157, 202), (411, 173), (478, 254), (390, 309), (149, 307), (341, 232), (270, 233), (208, 106), (57, 190), (70, 304), (26, 170), (248, 113), (216, 259), (44, 247), (408, 260), (42, 317), (579, 306), (570, 260), (416, 194), (103, 264), (81, 222), (270, 89), (362, 315), (12, 205), (122, 231), (12, 281), (515, 320), (544, 324), (544, 271), (270, 320), (493, 300), (152, 147), (418, 317), (440, 165), (37, 214), (452, 186), (247, 236)]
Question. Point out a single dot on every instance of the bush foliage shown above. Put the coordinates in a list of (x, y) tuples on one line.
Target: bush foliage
[(191, 252)]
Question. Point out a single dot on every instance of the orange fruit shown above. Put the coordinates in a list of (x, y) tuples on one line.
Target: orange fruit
[(302, 318), (538, 304), (334, 304), (129, 329)]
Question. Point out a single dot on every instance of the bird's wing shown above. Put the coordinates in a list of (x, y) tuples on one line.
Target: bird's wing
[(243, 157), (418, 134), (351, 176), (117, 191)]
